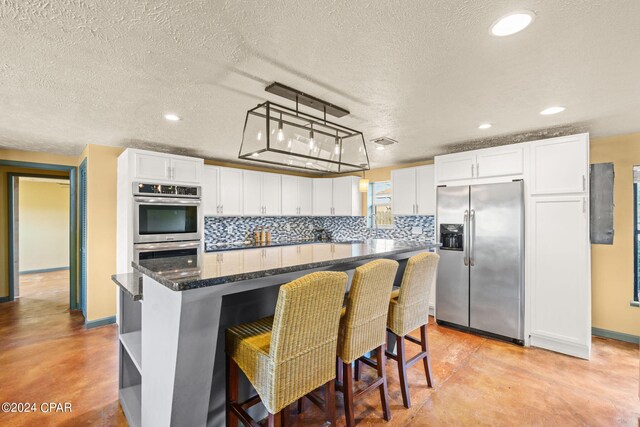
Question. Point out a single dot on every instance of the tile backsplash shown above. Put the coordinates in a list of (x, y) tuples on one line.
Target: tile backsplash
[(238, 229)]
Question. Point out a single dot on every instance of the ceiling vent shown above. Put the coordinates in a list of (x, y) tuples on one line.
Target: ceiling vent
[(384, 141)]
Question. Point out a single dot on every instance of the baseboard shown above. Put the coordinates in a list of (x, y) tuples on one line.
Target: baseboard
[(560, 346), (44, 270), (4, 299), (90, 324), (620, 336)]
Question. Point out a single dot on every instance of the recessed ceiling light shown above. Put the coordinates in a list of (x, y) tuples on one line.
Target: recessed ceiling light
[(484, 126), (172, 117), (552, 110), (512, 23)]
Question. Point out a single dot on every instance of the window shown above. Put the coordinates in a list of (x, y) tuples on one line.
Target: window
[(636, 232), (379, 205)]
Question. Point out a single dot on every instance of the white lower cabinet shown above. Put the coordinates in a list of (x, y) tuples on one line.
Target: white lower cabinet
[(559, 274)]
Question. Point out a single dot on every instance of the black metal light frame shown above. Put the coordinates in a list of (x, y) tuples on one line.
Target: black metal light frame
[(342, 132)]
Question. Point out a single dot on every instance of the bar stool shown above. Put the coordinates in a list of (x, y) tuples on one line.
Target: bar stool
[(363, 329), (408, 311), (289, 354)]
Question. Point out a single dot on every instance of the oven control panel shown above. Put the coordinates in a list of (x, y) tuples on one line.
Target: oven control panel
[(145, 189)]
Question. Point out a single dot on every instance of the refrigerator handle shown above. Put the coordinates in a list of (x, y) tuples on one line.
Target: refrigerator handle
[(466, 235), (472, 231)]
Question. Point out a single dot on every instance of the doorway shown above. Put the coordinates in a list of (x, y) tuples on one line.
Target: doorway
[(42, 241)]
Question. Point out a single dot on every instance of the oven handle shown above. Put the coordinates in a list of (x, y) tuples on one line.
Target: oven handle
[(166, 200), (139, 247)]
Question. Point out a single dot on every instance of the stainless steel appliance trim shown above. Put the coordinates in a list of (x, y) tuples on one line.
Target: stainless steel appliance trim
[(146, 247), (465, 242), (472, 229), (165, 201), (136, 185)]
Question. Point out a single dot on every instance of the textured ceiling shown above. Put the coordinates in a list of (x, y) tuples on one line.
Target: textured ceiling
[(425, 73)]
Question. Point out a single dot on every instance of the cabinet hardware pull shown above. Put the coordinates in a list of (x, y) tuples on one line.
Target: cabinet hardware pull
[(472, 174), (584, 205), (221, 209), (417, 208), (478, 170), (584, 183)]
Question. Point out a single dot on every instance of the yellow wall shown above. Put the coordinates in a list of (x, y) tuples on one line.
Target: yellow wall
[(43, 225), (612, 265), (102, 168)]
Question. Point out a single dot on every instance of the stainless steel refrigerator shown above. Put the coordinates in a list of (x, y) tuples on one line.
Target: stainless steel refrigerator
[(480, 284)]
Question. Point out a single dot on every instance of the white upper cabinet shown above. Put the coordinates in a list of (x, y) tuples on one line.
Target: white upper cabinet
[(425, 190), (305, 196), (403, 189), (452, 167), (271, 194), (504, 161), (251, 193), (322, 197), (210, 190), (166, 167), (290, 202), (151, 166), (230, 194), (413, 191), (500, 161), (261, 193), (336, 196), (560, 165), (346, 196), (297, 195)]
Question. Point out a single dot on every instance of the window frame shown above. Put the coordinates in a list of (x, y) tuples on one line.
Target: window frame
[(371, 222)]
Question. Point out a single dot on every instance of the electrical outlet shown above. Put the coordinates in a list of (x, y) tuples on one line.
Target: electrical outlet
[(416, 230), (229, 229)]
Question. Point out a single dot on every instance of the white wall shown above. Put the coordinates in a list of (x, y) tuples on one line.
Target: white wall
[(43, 224)]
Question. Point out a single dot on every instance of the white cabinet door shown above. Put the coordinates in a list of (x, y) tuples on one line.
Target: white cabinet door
[(560, 165), (322, 196), (453, 167), (152, 166), (210, 182), (271, 194), (343, 196), (426, 190), (252, 192), (230, 196), (231, 262), (290, 196), (305, 196), (500, 161), (560, 285), (403, 189), (186, 170)]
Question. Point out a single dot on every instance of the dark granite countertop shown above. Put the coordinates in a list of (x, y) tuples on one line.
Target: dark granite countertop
[(221, 247), (217, 268), (130, 283)]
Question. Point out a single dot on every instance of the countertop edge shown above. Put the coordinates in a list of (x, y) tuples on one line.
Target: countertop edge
[(130, 283), (203, 283)]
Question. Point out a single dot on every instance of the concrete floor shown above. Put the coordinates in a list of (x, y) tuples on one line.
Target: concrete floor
[(47, 356)]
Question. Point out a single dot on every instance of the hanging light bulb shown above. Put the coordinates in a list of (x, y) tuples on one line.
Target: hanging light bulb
[(259, 136), (363, 184), (311, 141), (289, 143), (336, 149), (280, 131)]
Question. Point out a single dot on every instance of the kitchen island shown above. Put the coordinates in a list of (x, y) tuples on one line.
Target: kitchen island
[(171, 328)]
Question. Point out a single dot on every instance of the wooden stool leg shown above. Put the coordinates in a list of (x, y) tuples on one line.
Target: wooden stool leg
[(330, 402), (382, 373), (274, 420), (339, 369), (425, 348), (347, 391), (356, 368), (231, 391), (402, 371), (301, 405), (285, 413)]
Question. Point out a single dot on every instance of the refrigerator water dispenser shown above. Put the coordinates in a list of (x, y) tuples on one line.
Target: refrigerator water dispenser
[(451, 237)]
